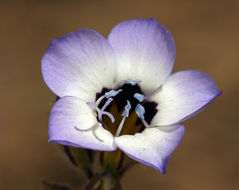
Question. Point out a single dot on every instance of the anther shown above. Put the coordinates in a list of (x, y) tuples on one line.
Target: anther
[(139, 97), (109, 94), (132, 82), (124, 114), (112, 93), (140, 111)]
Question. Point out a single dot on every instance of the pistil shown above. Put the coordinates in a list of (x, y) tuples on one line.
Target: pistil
[(103, 108), (100, 113)]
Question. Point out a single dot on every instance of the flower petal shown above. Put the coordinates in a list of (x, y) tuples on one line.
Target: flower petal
[(183, 94), (79, 64), (145, 50), (153, 146), (69, 117)]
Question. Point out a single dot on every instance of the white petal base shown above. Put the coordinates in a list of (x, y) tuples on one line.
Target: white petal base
[(144, 50), (79, 64), (69, 120)]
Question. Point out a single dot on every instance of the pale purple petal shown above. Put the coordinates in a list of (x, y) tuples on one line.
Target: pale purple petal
[(145, 50), (183, 94), (153, 146), (79, 64), (69, 120)]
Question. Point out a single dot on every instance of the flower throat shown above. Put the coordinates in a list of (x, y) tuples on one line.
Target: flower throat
[(125, 111)]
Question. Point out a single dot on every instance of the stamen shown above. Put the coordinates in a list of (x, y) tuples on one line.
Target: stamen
[(107, 103), (132, 82), (120, 127), (140, 111), (112, 93), (124, 114), (109, 94), (99, 100), (145, 123), (127, 109), (139, 97)]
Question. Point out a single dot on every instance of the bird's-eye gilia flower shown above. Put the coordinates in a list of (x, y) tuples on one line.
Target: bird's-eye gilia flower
[(118, 92)]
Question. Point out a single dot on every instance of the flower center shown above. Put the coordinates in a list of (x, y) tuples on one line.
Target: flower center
[(124, 111)]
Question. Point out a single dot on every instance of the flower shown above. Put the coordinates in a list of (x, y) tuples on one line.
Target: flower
[(118, 92)]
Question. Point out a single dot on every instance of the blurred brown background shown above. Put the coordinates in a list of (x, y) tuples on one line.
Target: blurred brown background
[(207, 37)]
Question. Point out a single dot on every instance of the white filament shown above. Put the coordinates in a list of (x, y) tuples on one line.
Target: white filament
[(124, 114), (100, 112)]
